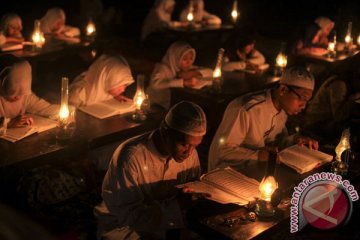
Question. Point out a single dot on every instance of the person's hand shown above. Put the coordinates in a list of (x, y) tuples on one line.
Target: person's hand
[(312, 144), (122, 98), (21, 121), (190, 82), (187, 198)]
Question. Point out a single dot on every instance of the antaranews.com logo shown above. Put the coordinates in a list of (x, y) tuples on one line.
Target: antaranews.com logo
[(323, 200)]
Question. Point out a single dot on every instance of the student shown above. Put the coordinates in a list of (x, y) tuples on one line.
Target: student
[(175, 70), (11, 26), (329, 112), (200, 14), (16, 97), (106, 78), (158, 18), (326, 26), (308, 41), (139, 189), (240, 52), (53, 25), (257, 120)]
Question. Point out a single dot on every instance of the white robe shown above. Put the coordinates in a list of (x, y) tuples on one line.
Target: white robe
[(52, 16), (104, 74), (157, 18), (139, 188), (256, 58), (164, 74), (250, 122)]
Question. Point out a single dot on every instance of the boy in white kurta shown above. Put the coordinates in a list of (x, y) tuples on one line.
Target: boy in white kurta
[(257, 120), (139, 193), (16, 97), (176, 69)]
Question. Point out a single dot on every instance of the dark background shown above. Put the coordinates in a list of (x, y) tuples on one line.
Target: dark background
[(273, 18)]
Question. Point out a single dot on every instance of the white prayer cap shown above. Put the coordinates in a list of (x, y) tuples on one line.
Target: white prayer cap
[(188, 118), (298, 77)]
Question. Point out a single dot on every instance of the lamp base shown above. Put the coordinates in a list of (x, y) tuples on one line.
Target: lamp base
[(264, 208), (65, 132), (339, 168), (139, 116)]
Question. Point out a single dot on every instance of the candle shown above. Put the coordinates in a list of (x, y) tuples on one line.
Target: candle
[(234, 12), (90, 28)]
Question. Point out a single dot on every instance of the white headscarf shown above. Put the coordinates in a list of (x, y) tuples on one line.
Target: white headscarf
[(104, 74), (324, 23), (15, 77), (174, 55), (157, 17), (11, 19), (48, 22)]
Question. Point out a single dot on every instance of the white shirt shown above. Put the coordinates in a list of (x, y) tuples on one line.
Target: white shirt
[(255, 58), (249, 123), (139, 188)]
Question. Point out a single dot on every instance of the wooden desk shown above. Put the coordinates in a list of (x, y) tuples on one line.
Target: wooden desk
[(90, 133), (207, 217)]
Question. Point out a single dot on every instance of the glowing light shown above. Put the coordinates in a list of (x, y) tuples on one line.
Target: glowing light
[(234, 12), (190, 16), (343, 145), (358, 40), (90, 28), (64, 113), (331, 46), (267, 187), (281, 60)]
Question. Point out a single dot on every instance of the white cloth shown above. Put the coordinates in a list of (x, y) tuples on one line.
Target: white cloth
[(164, 75), (255, 58), (51, 19), (104, 74), (200, 14), (158, 18), (139, 188), (249, 123)]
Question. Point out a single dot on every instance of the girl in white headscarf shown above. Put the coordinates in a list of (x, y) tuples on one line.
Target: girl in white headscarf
[(16, 97), (158, 18), (176, 69), (106, 78), (53, 24), (326, 26), (11, 26), (200, 14)]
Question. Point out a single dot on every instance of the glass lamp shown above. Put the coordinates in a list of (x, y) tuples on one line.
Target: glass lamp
[(139, 99), (90, 30), (217, 74), (234, 12), (280, 64), (190, 15), (342, 150), (37, 36)]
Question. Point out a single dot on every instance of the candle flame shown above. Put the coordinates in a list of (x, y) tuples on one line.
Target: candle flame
[(281, 60), (347, 39), (190, 16), (38, 39), (64, 113), (267, 187), (217, 72), (358, 40), (234, 15), (90, 28), (331, 46)]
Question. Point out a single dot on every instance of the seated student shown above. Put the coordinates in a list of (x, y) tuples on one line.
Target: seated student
[(257, 120), (139, 189), (200, 14), (240, 52), (326, 26), (330, 110), (308, 41), (106, 78), (16, 97), (53, 26), (175, 70), (159, 18), (11, 26)]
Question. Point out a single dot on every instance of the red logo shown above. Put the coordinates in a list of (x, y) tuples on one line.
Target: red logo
[(325, 205)]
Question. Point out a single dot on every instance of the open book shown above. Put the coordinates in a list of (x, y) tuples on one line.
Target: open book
[(108, 108), (203, 82), (226, 186), (303, 159), (11, 47), (41, 124)]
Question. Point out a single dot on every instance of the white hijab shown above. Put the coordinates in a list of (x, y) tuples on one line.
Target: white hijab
[(157, 17), (10, 19), (15, 80), (48, 22), (104, 74), (174, 55)]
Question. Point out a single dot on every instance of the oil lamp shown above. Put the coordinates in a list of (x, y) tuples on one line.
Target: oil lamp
[(139, 99), (37, 36), (342, 150), (234, 12), (217, 71)]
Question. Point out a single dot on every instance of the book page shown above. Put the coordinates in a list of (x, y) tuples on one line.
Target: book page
[(108, 108), (303, 159), (201, 83), (43, 124), (15, 134)]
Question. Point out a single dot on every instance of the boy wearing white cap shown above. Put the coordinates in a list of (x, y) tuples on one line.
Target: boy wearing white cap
[(139, 193), (256, 120)]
